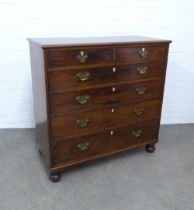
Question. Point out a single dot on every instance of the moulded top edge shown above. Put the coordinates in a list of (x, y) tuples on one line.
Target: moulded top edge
[(106, 40)]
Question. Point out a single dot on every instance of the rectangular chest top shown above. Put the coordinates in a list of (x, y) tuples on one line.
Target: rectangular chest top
[(106, 40)]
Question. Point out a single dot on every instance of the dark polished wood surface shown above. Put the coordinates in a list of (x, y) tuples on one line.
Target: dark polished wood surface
[(132, 54), (96, 96), (40, 103), (64, 80), (66, 57), (103, 96), (66, 126), (95, 41), (106, 141)]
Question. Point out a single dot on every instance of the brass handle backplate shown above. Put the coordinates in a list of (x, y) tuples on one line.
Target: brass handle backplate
[(83, 122), (83, 146), (143, 52), (137, 133), (139, 111), (82, 99), (82, 57), (141, 90), (83, 76), (142, 70)]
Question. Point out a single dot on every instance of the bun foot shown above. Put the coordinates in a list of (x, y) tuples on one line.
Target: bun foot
[(55, 177), (150, 148)]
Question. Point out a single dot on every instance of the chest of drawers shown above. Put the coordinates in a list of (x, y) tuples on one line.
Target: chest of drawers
[(96, 96)]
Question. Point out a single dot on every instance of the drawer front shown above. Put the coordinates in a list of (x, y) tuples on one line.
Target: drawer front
[(79, 57), (84, 123), (141, 54), (105, 142), (75, 79), (83, 100)]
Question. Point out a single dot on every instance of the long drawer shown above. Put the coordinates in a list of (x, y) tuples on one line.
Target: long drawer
[(82, 100), (90, 77), (84, 123), (84, 56), (106, 142)]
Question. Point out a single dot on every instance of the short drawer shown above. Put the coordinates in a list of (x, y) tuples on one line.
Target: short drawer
[(106, 142), (79, 56), (83, 78), (93, 98), (141, 54), (84, 123)]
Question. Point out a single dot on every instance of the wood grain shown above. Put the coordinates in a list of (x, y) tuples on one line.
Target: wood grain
[(100, 97), (132, 55), (65, 126), (64, 80), (103, 142), (68, 57)]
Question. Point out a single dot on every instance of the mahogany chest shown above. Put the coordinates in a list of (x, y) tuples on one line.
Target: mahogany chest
[(96, 96)]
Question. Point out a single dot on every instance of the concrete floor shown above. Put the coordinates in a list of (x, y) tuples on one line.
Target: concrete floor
[(131, 180)]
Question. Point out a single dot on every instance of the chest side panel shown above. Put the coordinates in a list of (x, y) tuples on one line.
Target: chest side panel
[(40, 102)]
